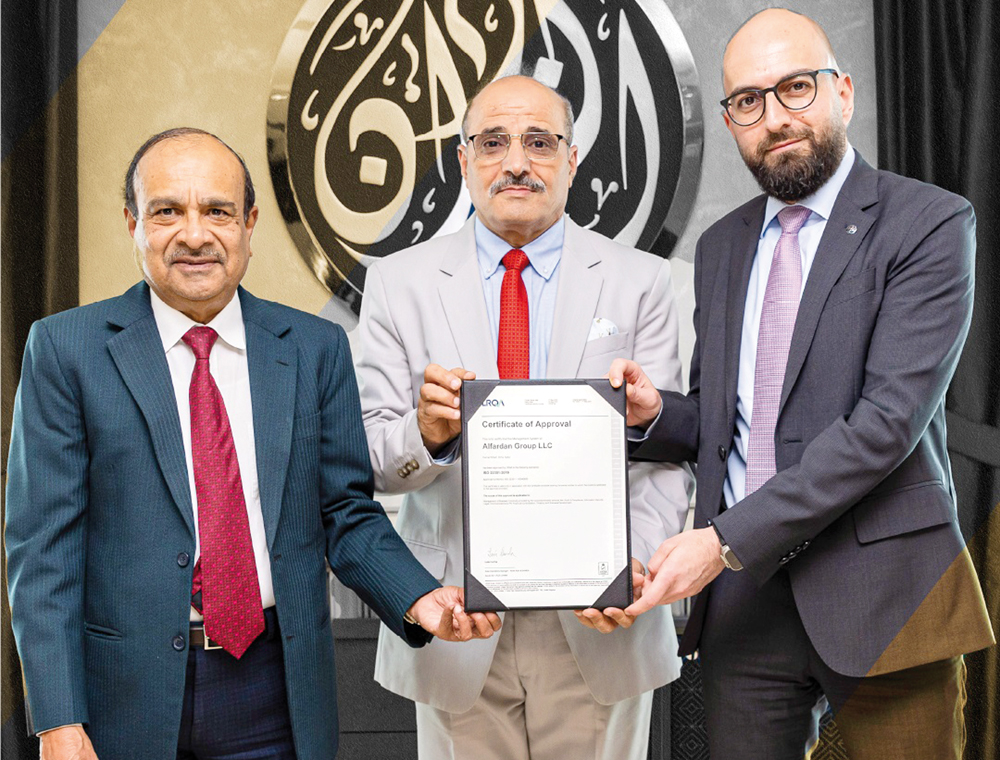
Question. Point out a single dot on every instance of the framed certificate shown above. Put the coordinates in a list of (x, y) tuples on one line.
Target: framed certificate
[(545, 495)]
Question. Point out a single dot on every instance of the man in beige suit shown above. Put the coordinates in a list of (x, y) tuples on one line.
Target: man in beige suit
[(554, 686)]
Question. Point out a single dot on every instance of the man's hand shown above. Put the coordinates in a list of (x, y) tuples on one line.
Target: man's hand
[(66, 743), (612, 617), (642, 400), (438, 415), (682, 566), (442, 613)]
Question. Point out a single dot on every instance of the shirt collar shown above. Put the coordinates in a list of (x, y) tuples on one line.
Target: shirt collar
[(821, 202), (543, 252), (172, 325)]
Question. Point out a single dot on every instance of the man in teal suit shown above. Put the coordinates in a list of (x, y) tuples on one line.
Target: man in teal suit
[(183, 465)]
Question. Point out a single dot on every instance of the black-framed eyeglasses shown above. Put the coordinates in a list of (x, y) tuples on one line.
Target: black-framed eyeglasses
[(494, 146), (795, 92)]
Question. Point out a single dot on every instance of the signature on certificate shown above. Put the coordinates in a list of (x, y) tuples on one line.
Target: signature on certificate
[(504, 551)]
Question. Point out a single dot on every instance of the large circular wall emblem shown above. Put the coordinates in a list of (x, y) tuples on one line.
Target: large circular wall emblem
[(368, 97)]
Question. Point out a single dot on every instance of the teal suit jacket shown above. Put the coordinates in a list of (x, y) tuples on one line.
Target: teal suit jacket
[(99, 510)]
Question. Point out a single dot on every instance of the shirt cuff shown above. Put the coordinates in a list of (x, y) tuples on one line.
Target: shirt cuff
[(56, 728), (637, 434), (449, 453)]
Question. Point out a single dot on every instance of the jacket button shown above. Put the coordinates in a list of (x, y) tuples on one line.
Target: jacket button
[(402, 472), (183, 558), (178, 643), (722, 453), (413, 465)]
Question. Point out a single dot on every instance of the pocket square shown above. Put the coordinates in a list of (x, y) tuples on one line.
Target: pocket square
[(602, 328)]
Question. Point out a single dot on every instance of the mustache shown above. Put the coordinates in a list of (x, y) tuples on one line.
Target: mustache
[(793, 176), (776, 138), (199, 256), (521, 180)]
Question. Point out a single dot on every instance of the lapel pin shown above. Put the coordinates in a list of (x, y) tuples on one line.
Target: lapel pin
[(851, 229)]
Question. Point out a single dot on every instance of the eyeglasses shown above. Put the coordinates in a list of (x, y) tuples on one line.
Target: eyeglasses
[(494, 146), (795, 92)]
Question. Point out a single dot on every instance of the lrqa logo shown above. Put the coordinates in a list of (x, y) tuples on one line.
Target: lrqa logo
[(493, 402)]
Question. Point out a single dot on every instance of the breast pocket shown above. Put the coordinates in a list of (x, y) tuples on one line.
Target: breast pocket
[(599, 353), (852, 287)]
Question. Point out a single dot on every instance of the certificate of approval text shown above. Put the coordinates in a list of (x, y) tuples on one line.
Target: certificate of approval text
[(546, 491)]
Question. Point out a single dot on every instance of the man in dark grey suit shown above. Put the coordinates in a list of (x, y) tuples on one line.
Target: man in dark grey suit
[(831, 312)]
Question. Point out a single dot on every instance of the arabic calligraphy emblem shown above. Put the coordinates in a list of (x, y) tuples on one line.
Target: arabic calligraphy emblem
[(368, 96)]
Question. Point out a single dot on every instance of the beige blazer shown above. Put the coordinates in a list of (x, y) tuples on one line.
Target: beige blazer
[(426, 304)]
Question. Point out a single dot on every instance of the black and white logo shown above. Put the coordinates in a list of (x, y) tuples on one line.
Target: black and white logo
[(368, 97)]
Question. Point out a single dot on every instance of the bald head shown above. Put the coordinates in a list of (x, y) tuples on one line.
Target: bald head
[(772, 35), (506, 89)]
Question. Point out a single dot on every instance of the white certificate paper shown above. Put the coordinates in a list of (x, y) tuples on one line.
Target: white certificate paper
[(546, 495)]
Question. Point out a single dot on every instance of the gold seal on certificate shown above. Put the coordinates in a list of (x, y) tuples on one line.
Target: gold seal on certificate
[(545, 495)]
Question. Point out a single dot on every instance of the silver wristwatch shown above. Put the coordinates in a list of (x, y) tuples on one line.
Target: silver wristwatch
[(728, 556)]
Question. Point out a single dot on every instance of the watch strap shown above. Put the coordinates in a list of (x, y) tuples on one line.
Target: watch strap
[(729, 558)]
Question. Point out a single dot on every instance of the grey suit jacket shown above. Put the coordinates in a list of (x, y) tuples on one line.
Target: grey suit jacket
[(426, 305), (862, 509)]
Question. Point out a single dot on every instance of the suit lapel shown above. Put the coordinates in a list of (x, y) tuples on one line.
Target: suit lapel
[(461, 293), (273, 368), (137, 351), (836, 248), (580, 283), (741, 257)]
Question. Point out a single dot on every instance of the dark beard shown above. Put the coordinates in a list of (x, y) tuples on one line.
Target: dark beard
[(792, 177)]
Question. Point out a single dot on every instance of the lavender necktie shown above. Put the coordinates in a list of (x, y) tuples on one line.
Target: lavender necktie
[(777, 320)]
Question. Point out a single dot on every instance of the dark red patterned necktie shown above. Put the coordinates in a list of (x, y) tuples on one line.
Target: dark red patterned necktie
[(513, 358), (226, 573)]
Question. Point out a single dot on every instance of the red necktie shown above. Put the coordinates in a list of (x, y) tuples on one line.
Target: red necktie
[(513, 358), (226, 573)]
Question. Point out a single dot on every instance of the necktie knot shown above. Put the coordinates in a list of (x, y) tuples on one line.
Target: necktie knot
[(514, 334), (515, 259), (201, 339), (792, 218)]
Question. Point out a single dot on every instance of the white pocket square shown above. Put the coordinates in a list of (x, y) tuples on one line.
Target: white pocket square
[(602, 328)]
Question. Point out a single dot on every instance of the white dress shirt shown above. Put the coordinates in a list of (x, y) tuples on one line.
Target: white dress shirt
[(228, 365), (821, 204)]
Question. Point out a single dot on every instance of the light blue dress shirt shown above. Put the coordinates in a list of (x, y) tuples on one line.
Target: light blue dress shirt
[(541, 280), (821, 204)]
